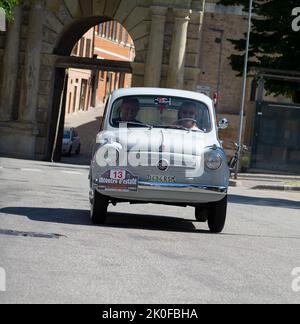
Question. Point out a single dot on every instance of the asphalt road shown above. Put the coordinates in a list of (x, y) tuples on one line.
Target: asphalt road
[(51, 253)]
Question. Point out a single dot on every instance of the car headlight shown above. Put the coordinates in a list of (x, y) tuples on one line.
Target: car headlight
[(213, 160), (108, 155)]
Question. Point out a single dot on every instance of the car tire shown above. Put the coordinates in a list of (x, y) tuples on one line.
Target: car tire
[(217, 216), (78, 150), (99, 206), (201, 214)]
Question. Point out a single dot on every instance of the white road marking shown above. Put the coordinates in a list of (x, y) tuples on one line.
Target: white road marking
[(30, 170), (71, 172)]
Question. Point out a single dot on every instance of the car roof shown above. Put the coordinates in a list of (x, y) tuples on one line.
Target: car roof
[(161, 92)]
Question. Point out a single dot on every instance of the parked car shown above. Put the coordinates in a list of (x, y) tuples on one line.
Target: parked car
[(71, 142), (160, 146)]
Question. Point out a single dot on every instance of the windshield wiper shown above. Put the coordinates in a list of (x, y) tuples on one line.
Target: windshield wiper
[(182, 127), (175, 127), (135, 124)]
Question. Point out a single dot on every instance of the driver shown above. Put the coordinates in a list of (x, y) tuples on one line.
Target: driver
[(187, 116), (129, 110)]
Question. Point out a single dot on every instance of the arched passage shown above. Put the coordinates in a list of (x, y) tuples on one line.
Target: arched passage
[(66, 62), (38, 49), (74, 32)]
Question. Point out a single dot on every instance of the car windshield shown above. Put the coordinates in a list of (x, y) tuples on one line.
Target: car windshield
[(67, 134), (161, 112)]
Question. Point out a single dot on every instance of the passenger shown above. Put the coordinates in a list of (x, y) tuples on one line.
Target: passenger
[(187, 116)]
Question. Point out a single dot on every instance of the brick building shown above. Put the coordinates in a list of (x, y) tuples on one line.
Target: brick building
[(79, 81), (86, 88), (112, 42), (272, 123)]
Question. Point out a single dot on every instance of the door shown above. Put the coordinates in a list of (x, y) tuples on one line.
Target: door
[(276, 144), (83, 93)]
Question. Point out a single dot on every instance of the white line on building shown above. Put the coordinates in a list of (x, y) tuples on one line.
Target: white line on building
[(111, 53)]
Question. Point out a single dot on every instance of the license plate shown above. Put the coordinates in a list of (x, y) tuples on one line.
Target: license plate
[(162, 179)]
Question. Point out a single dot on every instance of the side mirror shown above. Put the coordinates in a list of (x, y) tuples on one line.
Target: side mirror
[(223, 123)]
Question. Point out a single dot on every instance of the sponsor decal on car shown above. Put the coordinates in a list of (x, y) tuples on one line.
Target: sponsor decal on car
[(118, 180)]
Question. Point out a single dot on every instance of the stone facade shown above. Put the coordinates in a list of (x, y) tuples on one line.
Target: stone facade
[(175, 44), (220, 24), (46, 30)]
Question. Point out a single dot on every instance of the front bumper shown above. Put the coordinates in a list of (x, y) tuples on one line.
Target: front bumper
[(175, 187), (171, 193)]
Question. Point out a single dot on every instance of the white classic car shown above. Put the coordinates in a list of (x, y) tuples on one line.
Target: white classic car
[(160, 146)]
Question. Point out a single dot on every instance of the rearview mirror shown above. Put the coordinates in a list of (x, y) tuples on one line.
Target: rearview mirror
[(223, 123)]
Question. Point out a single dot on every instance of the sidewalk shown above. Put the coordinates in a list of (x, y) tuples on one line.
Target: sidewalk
[(267, 182)]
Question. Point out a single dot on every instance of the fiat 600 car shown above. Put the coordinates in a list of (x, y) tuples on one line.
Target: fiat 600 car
[(160, 146)]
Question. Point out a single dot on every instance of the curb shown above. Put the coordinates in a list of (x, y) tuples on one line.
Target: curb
[(247, 176), (277, 188)]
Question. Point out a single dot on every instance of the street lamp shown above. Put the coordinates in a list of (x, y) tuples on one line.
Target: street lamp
[(244, 90)]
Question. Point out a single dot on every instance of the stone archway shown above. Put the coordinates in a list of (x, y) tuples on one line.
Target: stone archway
[(62, 51), (166, 35)]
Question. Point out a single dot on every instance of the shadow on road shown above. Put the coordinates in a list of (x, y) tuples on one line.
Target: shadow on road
[(153, 223), (51, 215), (114, 220), (122, 221), (264, 202)]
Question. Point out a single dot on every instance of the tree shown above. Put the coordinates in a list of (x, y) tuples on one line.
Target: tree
[(8, 6), (273, 44)]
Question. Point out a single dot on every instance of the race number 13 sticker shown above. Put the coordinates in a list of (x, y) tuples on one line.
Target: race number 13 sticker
[(118, 174)]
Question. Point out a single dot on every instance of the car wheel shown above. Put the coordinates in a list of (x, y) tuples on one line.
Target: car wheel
[(201, 214), (99, 206), (78, 150), (217, 216)]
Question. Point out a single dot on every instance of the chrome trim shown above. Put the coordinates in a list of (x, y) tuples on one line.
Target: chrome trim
[(176, 187)]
